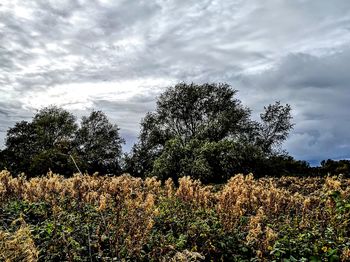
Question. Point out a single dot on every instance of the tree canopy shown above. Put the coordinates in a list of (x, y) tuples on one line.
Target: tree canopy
[(201, 130), (208, 112), (205, 131), (53, 139), (45, 142), (275, 126), (99, 144)]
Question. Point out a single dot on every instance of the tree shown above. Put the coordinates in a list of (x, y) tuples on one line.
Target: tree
[(20, 146), (334, 167), (3, 160), (30, 146), (208, 112), (52, 140), (54, 127), (99, 144), (204, 131), (209, 161), (275, 126), (185, 112)]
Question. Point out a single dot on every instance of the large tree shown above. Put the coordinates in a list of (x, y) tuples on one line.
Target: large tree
[(54, 126), (99, 144), (209, 111), (53, 141), (42, 144), (204, 131), (211, 162), (20, 147), (185, 112)]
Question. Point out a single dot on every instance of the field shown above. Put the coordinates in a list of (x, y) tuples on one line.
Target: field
[(94, 218)]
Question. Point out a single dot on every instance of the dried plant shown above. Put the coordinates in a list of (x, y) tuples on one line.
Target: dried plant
[(18, 245), (121, 217)]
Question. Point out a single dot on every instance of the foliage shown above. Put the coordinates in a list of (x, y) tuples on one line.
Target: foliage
[(18, 245), (98, 218), (330, 166), (205, 132), (30, 146), (53, 137), (211, 162), (206, 112), (99, 144), (182, 226), (275, 126)]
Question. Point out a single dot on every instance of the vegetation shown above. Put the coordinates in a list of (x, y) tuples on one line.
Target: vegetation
[(330, 166), (204, 131), (53, 139), (197, 134), (201, 131), (99, 218)]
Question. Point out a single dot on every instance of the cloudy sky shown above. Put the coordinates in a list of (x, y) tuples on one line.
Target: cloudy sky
[(117, 56)]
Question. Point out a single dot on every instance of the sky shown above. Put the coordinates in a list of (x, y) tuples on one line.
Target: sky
[(118, 56)]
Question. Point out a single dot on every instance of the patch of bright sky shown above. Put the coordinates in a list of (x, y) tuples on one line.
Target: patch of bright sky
[(20, 11), (75, 96)]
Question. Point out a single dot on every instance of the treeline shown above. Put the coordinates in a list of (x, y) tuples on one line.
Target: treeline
[(199, 130), (54, 141), (334, 167)]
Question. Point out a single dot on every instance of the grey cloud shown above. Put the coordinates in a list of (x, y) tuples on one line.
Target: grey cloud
[(318, 90), (10, 113), (128, 113), (125, 107), (294, 51)]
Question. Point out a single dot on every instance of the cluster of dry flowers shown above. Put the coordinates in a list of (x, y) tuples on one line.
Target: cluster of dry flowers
[(261, 200)]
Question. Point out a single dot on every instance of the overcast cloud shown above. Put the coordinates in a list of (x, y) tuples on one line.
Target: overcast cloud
[(117, 56)]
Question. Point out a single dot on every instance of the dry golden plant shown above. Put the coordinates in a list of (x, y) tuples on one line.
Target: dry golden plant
[(261, 202), (193, 191), (345, 256), (18, 246), (186, 256)]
